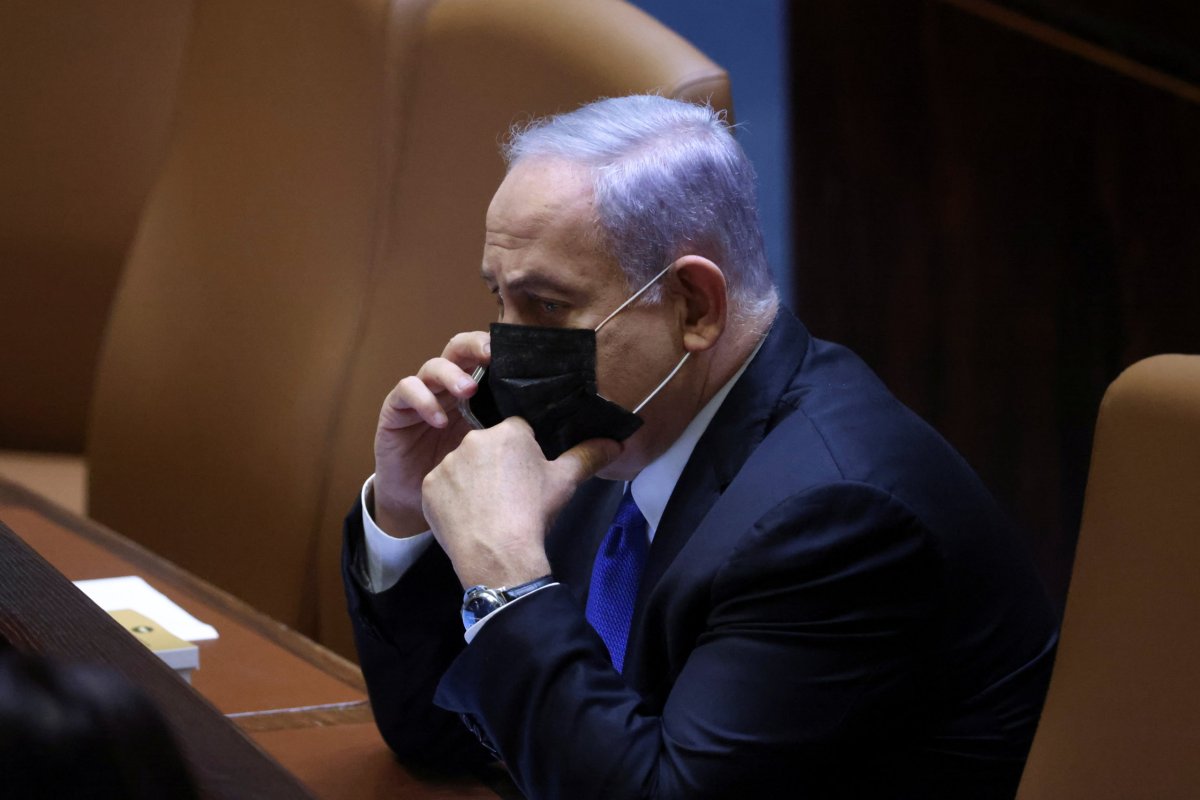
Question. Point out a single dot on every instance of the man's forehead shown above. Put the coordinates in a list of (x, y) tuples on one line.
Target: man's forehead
[(512, 232), (539, 193), (542, 234)]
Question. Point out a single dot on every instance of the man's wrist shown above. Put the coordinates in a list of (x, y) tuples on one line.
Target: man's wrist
[(393, 521), (515, 572), (385, 557)]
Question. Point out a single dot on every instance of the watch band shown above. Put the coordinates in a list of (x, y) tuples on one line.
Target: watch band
[(479, 601), (523, 589)]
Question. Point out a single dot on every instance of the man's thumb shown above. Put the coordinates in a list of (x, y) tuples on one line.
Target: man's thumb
[(587, 458)]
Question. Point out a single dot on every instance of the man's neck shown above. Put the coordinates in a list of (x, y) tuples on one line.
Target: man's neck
[(741, 340)]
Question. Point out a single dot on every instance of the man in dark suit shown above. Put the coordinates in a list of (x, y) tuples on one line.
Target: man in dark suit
[(783, 583)]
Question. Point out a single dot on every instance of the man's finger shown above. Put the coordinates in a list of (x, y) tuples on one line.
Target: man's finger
[(469, 349), (443, 374), (409, 401), (587, 458)]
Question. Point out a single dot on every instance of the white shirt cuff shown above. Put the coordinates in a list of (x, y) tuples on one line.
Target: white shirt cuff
[(388, 557)]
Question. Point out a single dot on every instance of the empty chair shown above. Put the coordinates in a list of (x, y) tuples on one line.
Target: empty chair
[(1122, 719), (86, 92)]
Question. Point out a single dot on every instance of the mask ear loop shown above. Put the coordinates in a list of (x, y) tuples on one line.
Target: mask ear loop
[(633, 297), (622, 307), (666, 380)]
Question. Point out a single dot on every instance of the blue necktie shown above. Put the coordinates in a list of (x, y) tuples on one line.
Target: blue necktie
[(615, 577)]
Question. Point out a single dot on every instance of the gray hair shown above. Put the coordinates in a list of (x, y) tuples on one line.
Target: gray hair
[(669, 179)]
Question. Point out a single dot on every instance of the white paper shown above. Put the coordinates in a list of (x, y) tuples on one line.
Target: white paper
[(113, 594)]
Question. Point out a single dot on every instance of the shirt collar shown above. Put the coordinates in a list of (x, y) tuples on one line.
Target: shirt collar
[(653, 486)]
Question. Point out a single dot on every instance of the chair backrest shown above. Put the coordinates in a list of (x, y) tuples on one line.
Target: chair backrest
[(86, 93), (316, 235), (1122, 718)]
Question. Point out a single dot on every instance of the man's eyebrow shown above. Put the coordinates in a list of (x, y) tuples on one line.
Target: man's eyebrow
[(532, 281)]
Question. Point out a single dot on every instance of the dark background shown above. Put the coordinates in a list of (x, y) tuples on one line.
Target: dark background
[(997, 204)]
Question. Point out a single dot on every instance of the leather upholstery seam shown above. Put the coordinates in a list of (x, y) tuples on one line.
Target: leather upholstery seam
[(401, 52)]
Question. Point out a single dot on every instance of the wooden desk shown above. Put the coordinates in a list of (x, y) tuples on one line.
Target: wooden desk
[(302, 704)]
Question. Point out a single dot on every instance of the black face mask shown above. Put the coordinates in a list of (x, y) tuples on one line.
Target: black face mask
[(547, 376)]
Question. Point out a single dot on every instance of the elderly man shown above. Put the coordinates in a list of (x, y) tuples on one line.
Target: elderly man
[(704, 553)]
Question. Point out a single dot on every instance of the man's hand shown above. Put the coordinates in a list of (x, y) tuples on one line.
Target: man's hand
[(491, 501), (418, 426)]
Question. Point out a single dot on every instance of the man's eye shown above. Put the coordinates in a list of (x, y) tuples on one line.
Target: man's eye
[(545, 305)]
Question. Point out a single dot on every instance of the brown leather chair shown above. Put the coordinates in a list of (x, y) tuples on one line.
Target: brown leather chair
[(86, 94), (1122, 718), (314, 236)]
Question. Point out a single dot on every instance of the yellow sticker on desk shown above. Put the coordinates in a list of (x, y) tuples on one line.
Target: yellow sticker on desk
[(179, 654)]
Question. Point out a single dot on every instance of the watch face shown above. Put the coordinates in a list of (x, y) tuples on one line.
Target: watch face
[(478, 603)]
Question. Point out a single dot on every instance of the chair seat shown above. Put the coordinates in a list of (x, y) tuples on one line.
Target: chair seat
[(59, 477)]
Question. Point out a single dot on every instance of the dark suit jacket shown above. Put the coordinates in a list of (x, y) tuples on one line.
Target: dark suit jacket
[(833, 606)]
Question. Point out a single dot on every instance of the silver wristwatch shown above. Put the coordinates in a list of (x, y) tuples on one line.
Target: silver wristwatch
[(479, 601)]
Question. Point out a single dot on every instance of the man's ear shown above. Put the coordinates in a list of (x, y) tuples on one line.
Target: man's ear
[(702, 300)]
